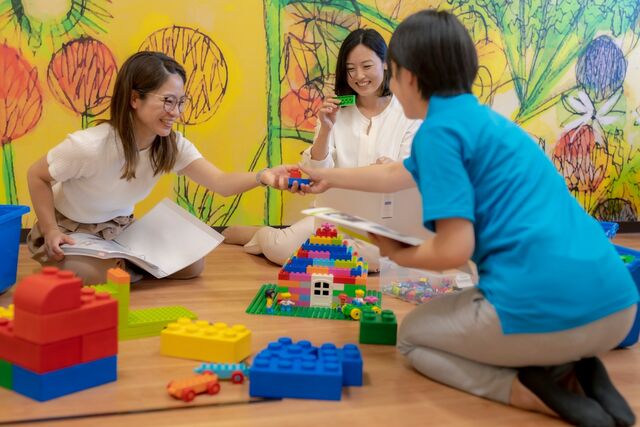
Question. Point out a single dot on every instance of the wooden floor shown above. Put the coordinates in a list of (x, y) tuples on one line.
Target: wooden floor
[(393, 393)]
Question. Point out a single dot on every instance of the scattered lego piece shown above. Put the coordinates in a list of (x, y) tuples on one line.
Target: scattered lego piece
[(62, 338), (346, 100), (142, 323), (258, 306), (378, 328), (7, 312), (64, 381), (296, 176), (201, 340), (299, 370), (6, 374), (235, 372), (187, 388)]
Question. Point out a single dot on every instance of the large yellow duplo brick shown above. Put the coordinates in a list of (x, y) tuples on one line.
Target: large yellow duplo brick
[(7, 312), (201, 340)]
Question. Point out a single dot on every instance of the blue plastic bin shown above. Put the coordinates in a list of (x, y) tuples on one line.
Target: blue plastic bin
[(610, 228), (634, 269), (10, 227)]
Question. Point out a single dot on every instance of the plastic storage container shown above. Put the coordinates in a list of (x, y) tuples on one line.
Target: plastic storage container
[(10, 227), (417, 286), (631, 259)]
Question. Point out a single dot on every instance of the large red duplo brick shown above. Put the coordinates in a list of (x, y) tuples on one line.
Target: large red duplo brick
[(98, 311), (50, 291), (101, 344), (40, 358)]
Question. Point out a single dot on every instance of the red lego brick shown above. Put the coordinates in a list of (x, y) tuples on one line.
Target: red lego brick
[(101, 344), (50, 291), (283, 275), (36, 357), (98, 312)]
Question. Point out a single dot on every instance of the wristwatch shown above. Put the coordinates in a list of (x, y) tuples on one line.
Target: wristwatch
[(259, 177)]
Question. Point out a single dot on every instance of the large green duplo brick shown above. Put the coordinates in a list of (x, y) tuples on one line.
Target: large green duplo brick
[(381, 328), (6, 374)]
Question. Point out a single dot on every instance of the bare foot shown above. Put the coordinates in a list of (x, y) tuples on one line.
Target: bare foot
[(239, 234)]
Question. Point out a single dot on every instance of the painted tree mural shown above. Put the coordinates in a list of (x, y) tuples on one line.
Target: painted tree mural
[(20, 110)]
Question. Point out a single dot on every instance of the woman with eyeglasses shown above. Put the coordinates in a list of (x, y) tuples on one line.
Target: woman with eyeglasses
[(372, 131), (91, 181)]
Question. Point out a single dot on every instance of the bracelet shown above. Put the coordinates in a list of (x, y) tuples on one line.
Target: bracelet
[(259, 177)]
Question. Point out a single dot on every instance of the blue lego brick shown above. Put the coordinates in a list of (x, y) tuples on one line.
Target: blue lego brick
[(285, 348), (352, 364), (307, 377), (300, 181), (64, 381)]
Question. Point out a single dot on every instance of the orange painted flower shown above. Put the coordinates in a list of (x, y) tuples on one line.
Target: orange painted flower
[(300, 108)]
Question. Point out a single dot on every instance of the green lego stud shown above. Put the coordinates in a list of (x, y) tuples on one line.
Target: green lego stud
[(346, 100), (378, 328)]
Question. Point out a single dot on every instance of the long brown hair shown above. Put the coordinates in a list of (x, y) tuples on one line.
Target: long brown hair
[(143, 72)]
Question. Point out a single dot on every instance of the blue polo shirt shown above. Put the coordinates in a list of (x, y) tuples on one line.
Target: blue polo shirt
[(544, 263)]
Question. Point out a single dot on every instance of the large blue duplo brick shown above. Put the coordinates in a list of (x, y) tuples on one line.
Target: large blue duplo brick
[(352, 364), (64, 381), (307, 377)]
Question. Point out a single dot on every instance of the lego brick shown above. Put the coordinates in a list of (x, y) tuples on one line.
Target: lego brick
[(98, 311), (352, 365), (378, 328), (7, 312), (98, 345), (201, 340), (37, 357), (48, 292), (307, 377), (236, 372), (6, 374), (150, 322), (64, 381)]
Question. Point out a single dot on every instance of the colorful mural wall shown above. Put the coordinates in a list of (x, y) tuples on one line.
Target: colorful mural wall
[(258, 69)]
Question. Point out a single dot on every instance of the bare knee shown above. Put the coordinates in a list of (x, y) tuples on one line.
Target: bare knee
[(92, 271), (189, 272)]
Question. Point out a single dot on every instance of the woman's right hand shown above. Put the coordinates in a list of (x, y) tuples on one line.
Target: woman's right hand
[(328, 112), (52, 241)]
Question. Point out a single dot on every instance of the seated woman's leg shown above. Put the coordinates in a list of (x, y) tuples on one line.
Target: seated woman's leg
[(190, 271), (278, 245), (92, 271)]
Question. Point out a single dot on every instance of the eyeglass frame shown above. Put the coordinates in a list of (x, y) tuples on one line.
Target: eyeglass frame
[(166, 100)]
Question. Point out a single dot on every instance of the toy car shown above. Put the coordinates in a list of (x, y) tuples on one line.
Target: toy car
[(236, 372), (187, 388)]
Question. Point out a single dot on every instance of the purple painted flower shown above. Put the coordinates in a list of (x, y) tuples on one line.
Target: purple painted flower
[(601, 68)]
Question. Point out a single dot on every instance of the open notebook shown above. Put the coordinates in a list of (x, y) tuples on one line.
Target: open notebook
[(395, 215), (165, 240)]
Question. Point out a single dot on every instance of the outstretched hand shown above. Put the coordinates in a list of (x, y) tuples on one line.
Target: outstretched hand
[(278, 177), (319, 180)]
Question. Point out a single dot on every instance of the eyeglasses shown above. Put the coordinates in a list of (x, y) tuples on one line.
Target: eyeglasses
[(170, 102)]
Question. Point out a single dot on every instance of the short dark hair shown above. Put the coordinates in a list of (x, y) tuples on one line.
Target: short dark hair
[(374, 41), (438, 49)]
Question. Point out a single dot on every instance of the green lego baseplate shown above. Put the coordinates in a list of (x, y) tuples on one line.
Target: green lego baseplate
[(258, 306), (141, 323)]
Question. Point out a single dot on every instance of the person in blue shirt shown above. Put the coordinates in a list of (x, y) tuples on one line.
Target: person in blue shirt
[(553, 292)]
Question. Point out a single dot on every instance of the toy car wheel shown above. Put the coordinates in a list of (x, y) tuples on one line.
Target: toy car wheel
[(356, 313), (237, 377), (188, 394), (213, 388)]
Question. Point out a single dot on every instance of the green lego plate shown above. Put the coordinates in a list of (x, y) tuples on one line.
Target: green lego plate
[(258, 306)]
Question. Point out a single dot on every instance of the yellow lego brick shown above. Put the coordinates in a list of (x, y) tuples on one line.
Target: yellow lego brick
[(7, 312), (200, 340)]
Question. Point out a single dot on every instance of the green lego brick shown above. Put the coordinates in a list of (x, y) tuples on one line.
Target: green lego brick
[(257, 306), (149, 322), (381, 328), (346, 100), (6, 374)]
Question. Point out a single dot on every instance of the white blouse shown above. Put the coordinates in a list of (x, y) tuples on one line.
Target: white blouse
[(390, 135)]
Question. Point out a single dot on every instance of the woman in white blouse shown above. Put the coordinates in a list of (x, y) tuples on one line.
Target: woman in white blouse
[(374, 130)]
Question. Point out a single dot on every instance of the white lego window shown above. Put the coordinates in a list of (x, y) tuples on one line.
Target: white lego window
[(321, 290)]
